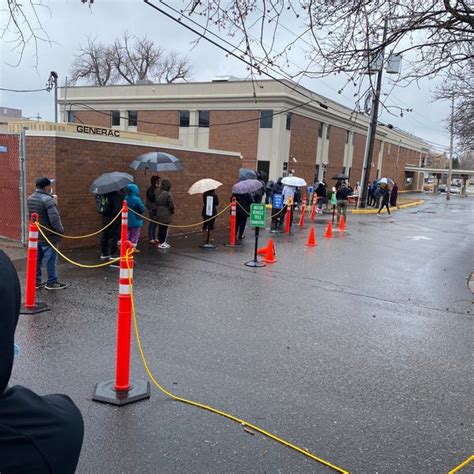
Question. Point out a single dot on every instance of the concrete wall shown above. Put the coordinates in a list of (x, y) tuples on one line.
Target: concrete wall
[(75, 163)]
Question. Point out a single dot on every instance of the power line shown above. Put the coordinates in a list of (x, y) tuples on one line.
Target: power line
[(22, 90)]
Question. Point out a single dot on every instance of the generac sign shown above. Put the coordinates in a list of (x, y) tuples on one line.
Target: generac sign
[(108, 132)]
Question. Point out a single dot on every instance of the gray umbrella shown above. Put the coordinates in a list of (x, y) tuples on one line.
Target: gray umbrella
[(156, 161), (247, 186), (110, 182), (247, 173)]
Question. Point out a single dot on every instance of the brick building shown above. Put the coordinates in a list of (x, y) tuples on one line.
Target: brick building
[(285, 129), (75, 156)]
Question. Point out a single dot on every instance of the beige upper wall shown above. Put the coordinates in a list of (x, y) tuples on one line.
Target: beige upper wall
[(232, 95)]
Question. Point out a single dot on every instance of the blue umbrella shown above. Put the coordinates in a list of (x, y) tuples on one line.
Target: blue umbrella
[(247, 173), (247, 186)]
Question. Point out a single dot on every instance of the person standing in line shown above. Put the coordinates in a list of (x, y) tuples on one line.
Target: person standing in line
[(38, 433), (135, 220), (321, 192), (151, 194), (164, 213), (278, 214), (288, 192), (243, 210), (342, 195), (109, 206), (394, 196), (384, 196), (208, 225), (42, 203)]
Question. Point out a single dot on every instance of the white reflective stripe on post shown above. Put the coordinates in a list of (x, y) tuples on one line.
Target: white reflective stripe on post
[(124, 289), (33, 234), (33, 244), (124, 273)]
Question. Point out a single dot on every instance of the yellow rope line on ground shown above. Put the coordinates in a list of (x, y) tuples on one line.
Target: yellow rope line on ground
[(180, 226), (77, 264), (83, 236), (463, 464), (207, 407)]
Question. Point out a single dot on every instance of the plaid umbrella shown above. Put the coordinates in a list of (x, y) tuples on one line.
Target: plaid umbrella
[(156, 161), (247, 186)]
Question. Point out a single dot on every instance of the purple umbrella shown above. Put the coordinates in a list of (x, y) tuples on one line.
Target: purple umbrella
[(247, 186)]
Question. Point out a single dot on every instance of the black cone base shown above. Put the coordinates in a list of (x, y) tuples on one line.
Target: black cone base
[(253, 263), (38, 308), (106, 393)]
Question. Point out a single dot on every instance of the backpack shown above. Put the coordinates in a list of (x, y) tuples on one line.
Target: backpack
[(101, 203)]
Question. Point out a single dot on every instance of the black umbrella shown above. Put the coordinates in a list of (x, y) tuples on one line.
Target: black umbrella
[(110, 182), (247, 173), (340, 176), (156, 161)]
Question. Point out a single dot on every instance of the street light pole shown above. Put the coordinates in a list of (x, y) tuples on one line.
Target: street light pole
[(53, 84), (451, 139), (369, 146)]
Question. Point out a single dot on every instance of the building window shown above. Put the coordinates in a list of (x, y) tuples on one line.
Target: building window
[(204, 118), (266, 118), (184, 118), (288, 120), (328, 130), (321, 127), (132, 118), (71, 118), (115, 118)]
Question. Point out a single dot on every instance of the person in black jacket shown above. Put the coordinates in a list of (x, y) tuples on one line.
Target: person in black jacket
[(38, 434), (385, 196), (208, 225), (342, 195), (277, 213), (243, 210), (43, 203), (150, 203), (110, 235)]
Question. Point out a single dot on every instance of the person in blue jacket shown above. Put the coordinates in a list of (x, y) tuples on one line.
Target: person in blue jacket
[(135, 220)]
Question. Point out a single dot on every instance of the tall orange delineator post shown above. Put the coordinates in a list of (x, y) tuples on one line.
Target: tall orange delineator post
[(313, 207), (233, 224), (122, 391), (31, 306), (303, 212), (289, 206)]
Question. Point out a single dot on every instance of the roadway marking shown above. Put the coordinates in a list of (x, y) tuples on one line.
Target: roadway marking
[(418, 237)]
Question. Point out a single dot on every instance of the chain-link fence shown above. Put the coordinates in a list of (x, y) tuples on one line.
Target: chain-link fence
[(10, 204)]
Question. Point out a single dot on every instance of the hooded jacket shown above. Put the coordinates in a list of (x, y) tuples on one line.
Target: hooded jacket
[(37, 434), (164, 203), (136, 204)]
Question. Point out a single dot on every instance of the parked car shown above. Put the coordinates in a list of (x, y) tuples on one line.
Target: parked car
[(443, 188)]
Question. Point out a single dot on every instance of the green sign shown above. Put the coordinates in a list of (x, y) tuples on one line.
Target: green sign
[(257, 215)]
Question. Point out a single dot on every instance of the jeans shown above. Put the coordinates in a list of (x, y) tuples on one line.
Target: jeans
[(162, 233), (152, 227), (109, 238), (51, 257)]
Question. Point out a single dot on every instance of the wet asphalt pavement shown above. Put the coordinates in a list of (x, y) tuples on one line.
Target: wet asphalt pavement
[(359, 349)]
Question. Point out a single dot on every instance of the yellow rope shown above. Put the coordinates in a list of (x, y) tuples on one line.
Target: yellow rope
[(181, 226), (463, 464), (83, 236), (82, 265), (207, 407)]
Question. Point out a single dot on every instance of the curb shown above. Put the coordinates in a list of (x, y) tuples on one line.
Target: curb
[(375, 211)]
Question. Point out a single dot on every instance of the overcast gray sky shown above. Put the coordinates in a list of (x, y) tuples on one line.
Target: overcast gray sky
[(69, 22)]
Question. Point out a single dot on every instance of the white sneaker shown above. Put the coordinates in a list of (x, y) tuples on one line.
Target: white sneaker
[(105, 257), (164, 245)]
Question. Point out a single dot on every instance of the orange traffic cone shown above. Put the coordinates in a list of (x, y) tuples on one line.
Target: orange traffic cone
[(328, 233), (342, 223), (311, 242), (263, 250), (270, 255)]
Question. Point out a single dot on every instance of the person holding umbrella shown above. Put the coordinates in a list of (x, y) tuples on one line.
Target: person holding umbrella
[(151, 193), (164, 213), (385, 195), (242, 193), (208, 225)]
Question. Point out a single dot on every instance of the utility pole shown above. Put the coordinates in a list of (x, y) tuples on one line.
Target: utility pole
[(369, 146), (451, 140)]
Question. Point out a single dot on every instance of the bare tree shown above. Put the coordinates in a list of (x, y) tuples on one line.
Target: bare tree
[(94, 64), (21, 24), (339, 35), (128, 60)]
